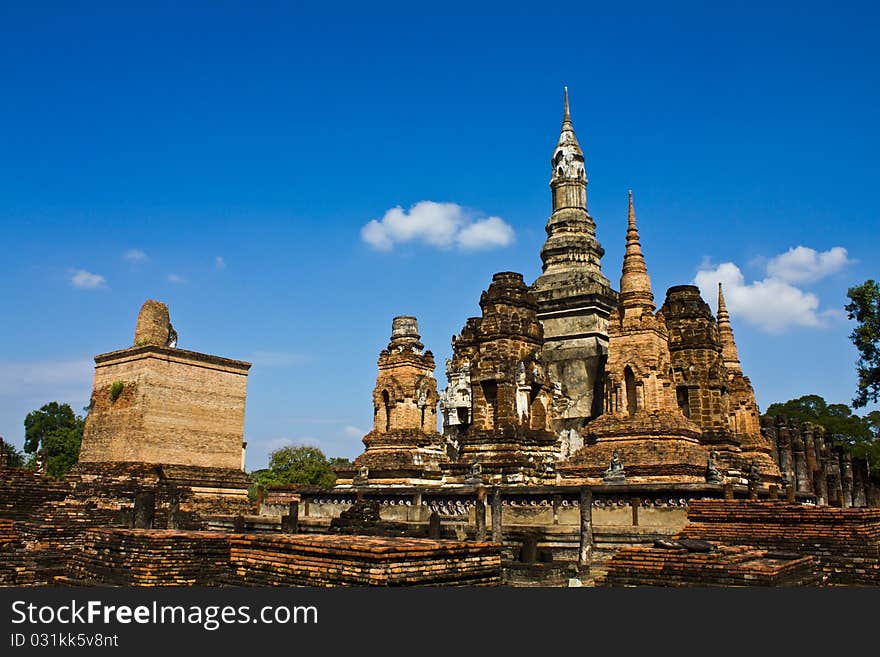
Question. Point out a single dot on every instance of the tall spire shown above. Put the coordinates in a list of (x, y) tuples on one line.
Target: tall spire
[(725, 332), (568, 141), (635, 284), (574, 296), (566, 117), (569, 179)]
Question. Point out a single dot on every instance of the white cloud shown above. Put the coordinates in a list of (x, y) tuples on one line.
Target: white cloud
[(176, 278), (135, 256), (802, 264), (485, 234), (774, 304), (353, 432), (442, 225), (86, 280), (220, 262)]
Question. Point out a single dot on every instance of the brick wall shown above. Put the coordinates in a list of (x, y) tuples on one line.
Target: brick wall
[(844, 542)]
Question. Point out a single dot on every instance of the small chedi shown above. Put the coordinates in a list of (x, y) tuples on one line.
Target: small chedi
[(404, 446)]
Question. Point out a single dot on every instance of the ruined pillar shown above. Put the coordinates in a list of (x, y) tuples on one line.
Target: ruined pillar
[(728, 491), (480, 515), (497, 531), (846, 476), (872, 493), (238, 525), (810, 451), (790, 492), (416, 512), (860, 482), (529, 551), (585, 549), (753, 489), (834, 474), (820, 476), (786, 461), (774, 492), (635, 503), (819, 486), (803, 479), (4, 455), (144, 509), (290, 522), (173, 520), (434, 525)]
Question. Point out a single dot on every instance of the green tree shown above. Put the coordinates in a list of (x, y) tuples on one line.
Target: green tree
[(54, 433), (14, 458), (864, 307), (298, 464)]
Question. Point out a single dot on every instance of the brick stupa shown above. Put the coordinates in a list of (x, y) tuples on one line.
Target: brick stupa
[(157, 407), (404, 447), (642, 421)]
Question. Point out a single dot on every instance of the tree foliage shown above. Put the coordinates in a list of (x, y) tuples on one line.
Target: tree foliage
[(14, 458), (54, 434), (298, 464), (339, 462), (864, 307)]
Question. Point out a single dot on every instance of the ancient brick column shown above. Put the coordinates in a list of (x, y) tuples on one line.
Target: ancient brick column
[(860, 480), (4, 457), (810, 449), (480, 515), (585, 548), (497, 527), (832, 475), (803, 479), (144, 509), (846, 476), (783, 442), (820, 474)]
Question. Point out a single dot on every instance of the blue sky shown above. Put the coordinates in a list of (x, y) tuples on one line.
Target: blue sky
[(225, 159)]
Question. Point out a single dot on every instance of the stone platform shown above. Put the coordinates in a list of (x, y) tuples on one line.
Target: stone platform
[(134, 557), (722, 566), (844, 542), (297, 560)]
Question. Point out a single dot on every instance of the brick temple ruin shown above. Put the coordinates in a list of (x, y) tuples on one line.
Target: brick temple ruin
[(585, 436), (567, 382)]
